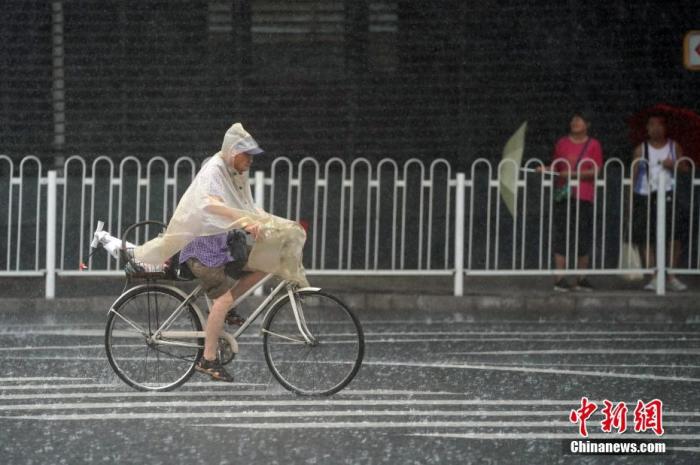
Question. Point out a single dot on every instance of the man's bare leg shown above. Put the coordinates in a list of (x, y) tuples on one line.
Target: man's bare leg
[(215, 323), (219, 309), (245, 283)]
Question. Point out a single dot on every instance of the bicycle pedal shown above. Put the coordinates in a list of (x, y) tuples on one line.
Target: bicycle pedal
[(225, 353)]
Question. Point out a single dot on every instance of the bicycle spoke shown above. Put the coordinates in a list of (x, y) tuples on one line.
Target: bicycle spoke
[(298, 341), (148, 313), (130, 323), (157, 366)]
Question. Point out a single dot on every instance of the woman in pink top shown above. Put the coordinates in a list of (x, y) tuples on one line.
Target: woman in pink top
[(576, 156)]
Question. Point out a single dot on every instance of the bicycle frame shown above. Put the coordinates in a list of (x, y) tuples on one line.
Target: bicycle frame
[(164, 337)]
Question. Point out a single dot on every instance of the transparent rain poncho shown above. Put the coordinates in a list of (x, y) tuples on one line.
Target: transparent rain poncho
[(219, 200)]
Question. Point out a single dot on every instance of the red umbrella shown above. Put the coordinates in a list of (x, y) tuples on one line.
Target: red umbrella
[(683, 126)]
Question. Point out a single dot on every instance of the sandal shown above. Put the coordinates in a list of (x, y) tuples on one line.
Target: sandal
[(214, 369)]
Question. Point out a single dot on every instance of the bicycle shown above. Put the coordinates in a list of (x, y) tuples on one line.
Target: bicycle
[(313, 343)]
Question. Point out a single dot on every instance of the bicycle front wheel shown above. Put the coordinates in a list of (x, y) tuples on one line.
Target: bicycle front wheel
[(331, 357), (135, 356)]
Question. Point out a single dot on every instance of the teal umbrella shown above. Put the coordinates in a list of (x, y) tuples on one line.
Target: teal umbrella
[(510, 167)]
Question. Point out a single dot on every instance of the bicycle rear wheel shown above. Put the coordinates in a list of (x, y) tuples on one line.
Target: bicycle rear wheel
[(141, 362), (330, 361)]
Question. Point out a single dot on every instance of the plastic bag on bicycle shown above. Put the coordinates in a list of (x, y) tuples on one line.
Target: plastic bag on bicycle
[(218, 201)]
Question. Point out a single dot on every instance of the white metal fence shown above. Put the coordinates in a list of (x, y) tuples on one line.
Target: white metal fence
[(362, 218)]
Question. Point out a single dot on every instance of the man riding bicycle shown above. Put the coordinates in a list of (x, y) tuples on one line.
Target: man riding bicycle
[(208, 234), (208, 256), (217, 205), (207, 226)]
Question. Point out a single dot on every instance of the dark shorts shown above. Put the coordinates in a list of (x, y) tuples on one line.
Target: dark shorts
[(644, 220), (560, 226)]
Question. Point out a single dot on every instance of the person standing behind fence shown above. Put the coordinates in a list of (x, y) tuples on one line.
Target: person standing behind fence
[(576, 156), (654, 158)]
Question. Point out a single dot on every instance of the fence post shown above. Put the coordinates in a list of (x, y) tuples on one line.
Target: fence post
[(260, 202), (459, 236), (51, 235), (661, 235)]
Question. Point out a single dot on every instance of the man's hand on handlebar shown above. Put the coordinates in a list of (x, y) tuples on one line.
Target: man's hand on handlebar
[(253, 229)]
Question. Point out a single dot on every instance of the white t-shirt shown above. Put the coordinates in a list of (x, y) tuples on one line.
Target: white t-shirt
[(648, 174)]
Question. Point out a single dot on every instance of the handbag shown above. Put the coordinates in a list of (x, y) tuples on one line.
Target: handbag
[(631, 259), (237, 242), (563, 192)]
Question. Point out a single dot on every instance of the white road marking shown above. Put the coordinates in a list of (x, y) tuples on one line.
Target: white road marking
[(99, 332), (311, 401), (435, 424), (688, 351), (620, 365), (392, 340), (218, 384), (352, 403), (694, 350), (303, 413), (30, 387), (57, 332), (533, 340), (53, 387), (312, 424), (684, 449), (554, 436), (532, 333), (408, 392), (338, 413), (41, 378), (78, 347), (539, 339), (399, 341), (606, 374), (43, 347), (191, 384), (80, 358), (136, 394), (459, 366), (278, 391)]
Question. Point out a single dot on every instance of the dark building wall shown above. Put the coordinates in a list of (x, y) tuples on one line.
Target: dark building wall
[(339, 77), (25, 77), (540, 61)]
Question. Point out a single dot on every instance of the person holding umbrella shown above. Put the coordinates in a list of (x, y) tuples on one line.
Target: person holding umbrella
[(576, 156), (655, 157)]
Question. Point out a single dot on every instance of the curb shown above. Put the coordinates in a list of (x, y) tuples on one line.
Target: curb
[(622, 307)]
